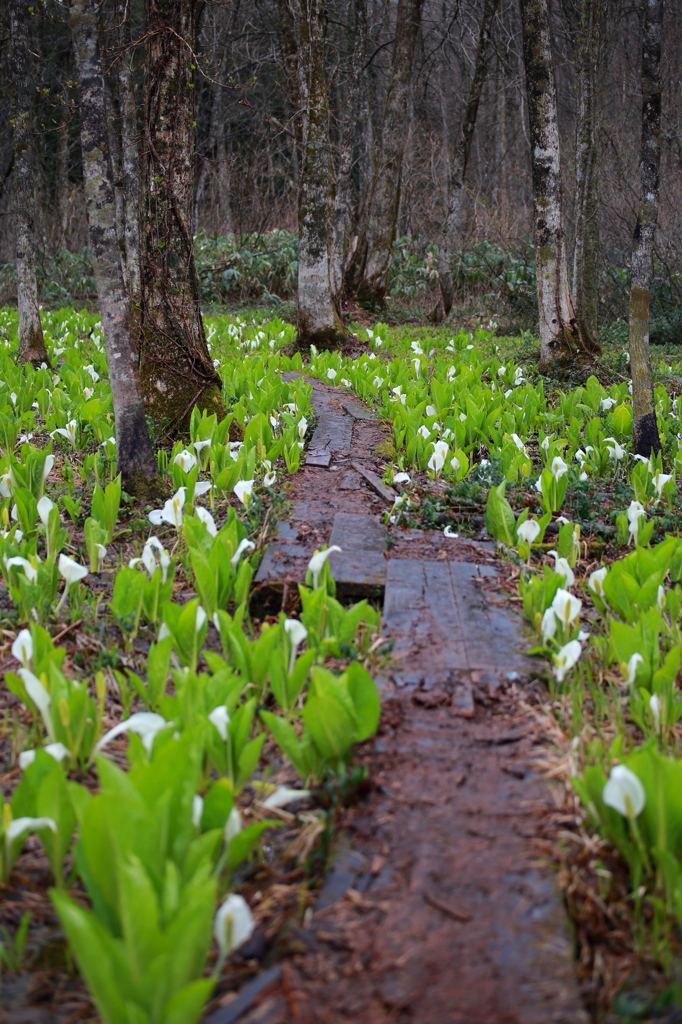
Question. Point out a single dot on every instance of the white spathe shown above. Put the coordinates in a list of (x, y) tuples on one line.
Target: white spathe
[(316, 563), (145, 723), (624, 792), (233, 923), (22, 648)]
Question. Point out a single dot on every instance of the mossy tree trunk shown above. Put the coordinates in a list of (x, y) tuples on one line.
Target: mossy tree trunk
[(584, 291), (319, 322), (560, 334), (135, 457), (367, 273), (31, 341), (457, 165), (176, 370), (644, 427)]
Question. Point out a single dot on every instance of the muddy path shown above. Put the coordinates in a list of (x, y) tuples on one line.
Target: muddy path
[(438, 905)]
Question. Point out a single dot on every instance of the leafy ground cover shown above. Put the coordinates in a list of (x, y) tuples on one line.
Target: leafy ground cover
[(494, 284), (591, 539), (144, 710), (138, 688)]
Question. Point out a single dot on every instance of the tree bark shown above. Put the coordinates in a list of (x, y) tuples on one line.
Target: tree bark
[(290, 58), (644, 427), (584, 293), (63, 186), (176, 370), (130, 159), (31, 342), (341, 210), (135, 457), (560, 334), (367, 273), (457, 165), (319, 323), (115, 165)]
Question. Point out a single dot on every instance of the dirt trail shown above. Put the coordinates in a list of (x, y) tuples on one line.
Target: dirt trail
[(437, 908)]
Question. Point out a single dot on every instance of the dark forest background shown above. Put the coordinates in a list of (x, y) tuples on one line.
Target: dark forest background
[(248, 151)]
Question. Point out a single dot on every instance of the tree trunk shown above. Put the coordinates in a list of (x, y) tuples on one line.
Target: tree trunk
[(457, 165), (130, 159), (31, 341), (319, 323), (560, 334), (644, 427), (341, 210), (176, 370), (585, 302), (135, 457), (290, 59), (368, 270), (63, 189), (115, 164)]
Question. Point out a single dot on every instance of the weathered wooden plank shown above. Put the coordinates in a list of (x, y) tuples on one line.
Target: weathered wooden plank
[(334, 430), (350, 481), (375, 482), (358, 412), (315, 458), (282, 562), (362, 539), (445, 633), (246, 997), (332, 435)]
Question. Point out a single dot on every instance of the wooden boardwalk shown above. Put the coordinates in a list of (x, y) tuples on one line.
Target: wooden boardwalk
[(437, 908)]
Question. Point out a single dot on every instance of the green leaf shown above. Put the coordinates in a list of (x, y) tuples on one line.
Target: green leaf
[(499, 516), (98, 955), (366, 701), (332, 728), (288, 742), (186, 1006), (241, 846)]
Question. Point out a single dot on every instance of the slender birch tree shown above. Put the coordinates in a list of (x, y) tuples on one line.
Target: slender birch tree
[(367, 273), (135, 457), (130, 157), (457, 164), (319, 322), (644, 427), (31, 342), (584, 288), (560, 333), (176, 370)]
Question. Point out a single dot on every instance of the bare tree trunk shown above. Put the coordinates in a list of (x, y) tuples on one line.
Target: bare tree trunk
[(644, 427), (224, 181), (31, 341), (63, 187), (584, 295), (290, 57), (135, 457), (176, 370), (368, 270), (457, 165), (560, 334), (130, 159), (319, 323), (115, 163), (500, 184), (341, 211)]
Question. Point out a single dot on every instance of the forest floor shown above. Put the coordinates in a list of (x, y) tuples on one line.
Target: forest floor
[(440, 904), (453, 877)]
